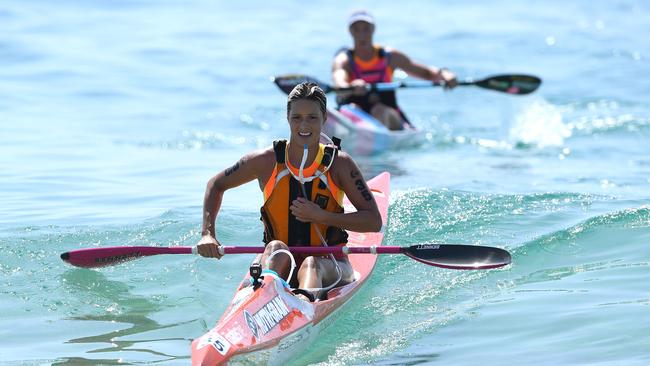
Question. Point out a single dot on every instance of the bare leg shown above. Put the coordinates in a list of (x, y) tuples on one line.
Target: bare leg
[(390, 117), (318, 272), (280, 263)]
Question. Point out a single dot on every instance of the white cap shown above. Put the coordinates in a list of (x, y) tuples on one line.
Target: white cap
[(361, 16)]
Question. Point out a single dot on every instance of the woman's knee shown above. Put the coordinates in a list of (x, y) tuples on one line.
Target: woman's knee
[(394, 119), (274, 245), (378, 110), (310, 263), (388, 116), (347, 272)]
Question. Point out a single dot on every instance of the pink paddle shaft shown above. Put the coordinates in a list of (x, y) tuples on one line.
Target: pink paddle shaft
[(318, 250), (99, 257)]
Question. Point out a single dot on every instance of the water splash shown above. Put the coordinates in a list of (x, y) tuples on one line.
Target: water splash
[(540, 124)]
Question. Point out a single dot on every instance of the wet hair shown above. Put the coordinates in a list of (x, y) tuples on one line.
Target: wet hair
[(310, 91)]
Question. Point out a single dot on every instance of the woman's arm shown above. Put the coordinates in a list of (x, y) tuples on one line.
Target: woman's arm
[(248, 168), (341, 76), (432, 73)]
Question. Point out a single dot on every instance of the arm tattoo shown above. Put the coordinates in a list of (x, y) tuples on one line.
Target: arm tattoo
[(361, 185), (233, 168)]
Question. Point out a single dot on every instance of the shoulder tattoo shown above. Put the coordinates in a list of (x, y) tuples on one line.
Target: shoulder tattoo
[(361, 185), (234, 168)]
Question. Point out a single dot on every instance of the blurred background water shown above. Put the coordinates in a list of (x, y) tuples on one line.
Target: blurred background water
[(114, 114)]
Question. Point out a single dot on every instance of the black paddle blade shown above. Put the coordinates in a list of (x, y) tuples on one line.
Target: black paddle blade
[(511, 84), (286, 83), (457, 256)]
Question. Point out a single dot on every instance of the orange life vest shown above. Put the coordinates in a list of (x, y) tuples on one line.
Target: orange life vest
[(282, 188), (375, 70)]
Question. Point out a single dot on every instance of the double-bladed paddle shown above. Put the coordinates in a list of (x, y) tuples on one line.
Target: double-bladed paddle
[(451, 256), (516, 84)]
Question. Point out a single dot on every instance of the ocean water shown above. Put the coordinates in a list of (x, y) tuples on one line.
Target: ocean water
[(114, 115)]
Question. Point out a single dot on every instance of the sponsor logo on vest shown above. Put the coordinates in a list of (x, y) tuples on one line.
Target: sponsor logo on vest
[(321, 201), (271, 314), (251, 324)]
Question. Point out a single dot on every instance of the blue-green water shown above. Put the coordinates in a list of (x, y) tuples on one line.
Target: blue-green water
[(114, 114)]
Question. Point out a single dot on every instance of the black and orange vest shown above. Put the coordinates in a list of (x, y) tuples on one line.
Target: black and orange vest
[(282, 188), (375, 70)]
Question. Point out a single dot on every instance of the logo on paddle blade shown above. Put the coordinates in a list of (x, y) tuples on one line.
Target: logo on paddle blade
[(118, 258), (428, 246)]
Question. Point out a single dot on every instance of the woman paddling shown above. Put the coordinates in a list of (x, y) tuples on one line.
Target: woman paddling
[(287, 173), (367, 63)]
